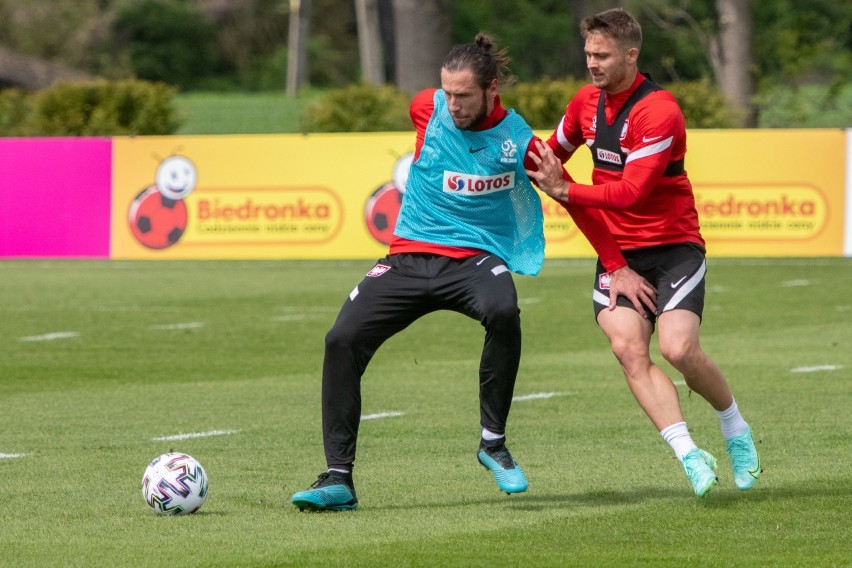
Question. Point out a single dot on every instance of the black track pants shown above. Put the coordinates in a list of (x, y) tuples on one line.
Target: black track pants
[(400, 289)]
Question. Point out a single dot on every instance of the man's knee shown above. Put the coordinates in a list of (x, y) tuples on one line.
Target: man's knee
[(340, 337), (632, 353), (502, 314), (678, 351)]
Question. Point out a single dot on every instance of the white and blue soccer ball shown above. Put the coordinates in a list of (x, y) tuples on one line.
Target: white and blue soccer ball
[(174, 484)]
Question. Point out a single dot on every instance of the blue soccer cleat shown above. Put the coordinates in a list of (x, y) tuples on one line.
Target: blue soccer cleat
[(744, 460), (332, 491), (508, 474), (700, 468)]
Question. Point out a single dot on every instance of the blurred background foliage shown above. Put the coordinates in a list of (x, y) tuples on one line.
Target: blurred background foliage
[(195, 53)]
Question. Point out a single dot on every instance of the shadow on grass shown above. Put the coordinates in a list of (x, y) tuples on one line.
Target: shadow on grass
[(533, 502), (719, 497)]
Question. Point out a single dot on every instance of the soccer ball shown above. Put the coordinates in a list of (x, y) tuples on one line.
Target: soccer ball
[(381, 212), (174, 484), (155, 220)]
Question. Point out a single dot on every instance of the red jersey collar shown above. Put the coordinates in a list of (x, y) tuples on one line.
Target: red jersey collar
[(493, 118)]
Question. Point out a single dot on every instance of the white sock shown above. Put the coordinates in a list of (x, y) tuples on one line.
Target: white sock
[(677, 436), (732, 421), (489, 435)]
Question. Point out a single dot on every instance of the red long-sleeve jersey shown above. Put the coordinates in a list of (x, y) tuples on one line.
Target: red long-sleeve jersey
[(589, 221), (642, 206)]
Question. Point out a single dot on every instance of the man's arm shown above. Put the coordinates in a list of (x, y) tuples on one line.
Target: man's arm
[(653, 129), (420, 111), (590, 222), (546, 170), (625, 281)]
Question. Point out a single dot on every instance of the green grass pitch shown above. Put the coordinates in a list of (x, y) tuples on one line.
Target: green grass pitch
[(102, 358)]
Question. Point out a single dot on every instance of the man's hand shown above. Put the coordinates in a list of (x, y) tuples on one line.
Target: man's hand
[(548, 175), (625, 282)]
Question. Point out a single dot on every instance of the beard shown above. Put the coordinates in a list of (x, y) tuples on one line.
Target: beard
[(612, 79), (475, 119)]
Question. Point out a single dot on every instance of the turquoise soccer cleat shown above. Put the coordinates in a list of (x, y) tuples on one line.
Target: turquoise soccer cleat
[(508, 474), (744, 459), (700, 468), (332, 491)]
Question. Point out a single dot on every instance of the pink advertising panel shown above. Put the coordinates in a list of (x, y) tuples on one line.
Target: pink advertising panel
[(55, 197)]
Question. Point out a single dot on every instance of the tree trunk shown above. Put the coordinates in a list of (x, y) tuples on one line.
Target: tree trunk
[(732, 59), (370, 42), (386, 27), (422, 30), (297, 45)]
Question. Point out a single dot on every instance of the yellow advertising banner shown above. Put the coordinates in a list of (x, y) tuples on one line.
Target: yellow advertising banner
[(327, 196), (287, 196), (769, 192)]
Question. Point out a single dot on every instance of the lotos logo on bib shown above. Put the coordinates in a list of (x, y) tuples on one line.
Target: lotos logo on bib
[(468, 184)]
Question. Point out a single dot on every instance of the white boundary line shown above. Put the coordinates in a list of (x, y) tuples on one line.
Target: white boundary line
[(539, 395), (11, 456), (194, 435), (51, 336), (171, 326), (816, 368), (378, 415), (795, 283)]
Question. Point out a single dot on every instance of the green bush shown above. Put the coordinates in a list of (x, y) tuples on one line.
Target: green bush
[(703, 104), (14, 109), (542, 104), (806, 106), (100, 108), (364, 108), (359, 108)]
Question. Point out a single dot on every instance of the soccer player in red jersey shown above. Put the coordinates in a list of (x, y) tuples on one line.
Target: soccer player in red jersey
[(637, 136)]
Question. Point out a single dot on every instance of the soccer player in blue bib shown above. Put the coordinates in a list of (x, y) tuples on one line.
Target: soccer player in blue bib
[(469, 218)]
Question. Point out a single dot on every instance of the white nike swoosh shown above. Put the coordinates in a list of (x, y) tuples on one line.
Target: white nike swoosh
[(645, 139), (483, 260), (676, 284)]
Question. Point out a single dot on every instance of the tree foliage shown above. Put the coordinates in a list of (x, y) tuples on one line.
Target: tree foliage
[(795, 40), (166, 41), (539, 35), (241, 44), (66, 31), (803, 40), (676, 38)]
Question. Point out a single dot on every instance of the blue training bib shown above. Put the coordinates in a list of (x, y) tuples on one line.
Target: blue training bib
[(470, 189)]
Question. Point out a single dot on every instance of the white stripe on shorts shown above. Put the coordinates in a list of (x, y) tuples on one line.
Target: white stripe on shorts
[(686, 287)]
